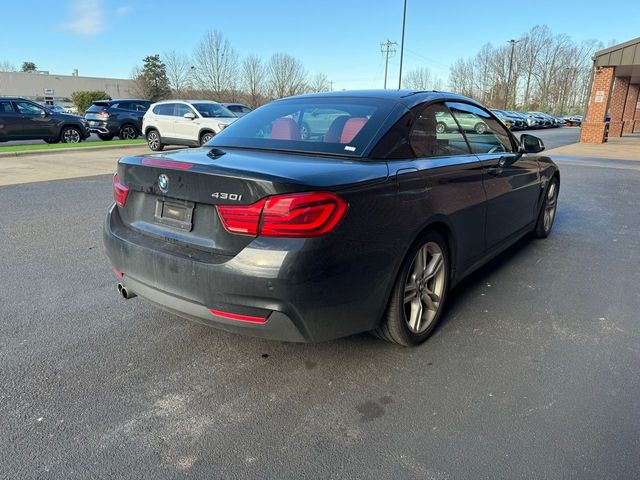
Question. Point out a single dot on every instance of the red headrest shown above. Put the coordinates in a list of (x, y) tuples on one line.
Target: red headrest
[(351, 128), (285, 129)]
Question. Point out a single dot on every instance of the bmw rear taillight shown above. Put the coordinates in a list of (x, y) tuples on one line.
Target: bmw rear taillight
[(120, 191), (292, 215)]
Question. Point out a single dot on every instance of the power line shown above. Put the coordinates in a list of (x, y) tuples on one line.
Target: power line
[(388, 48)]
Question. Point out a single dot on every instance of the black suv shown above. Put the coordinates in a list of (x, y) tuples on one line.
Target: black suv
[(22, 119), (122, 118)]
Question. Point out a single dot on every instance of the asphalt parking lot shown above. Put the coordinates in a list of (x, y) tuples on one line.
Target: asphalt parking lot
[(532, 374)]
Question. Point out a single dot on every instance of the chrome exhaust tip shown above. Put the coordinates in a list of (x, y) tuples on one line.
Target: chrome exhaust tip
[(125, 292)]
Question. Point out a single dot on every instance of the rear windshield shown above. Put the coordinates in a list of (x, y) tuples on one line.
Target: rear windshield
[(213, 110), (98, 107), (338, 126)]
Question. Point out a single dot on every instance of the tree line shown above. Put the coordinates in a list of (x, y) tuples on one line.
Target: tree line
[(215, 70), (549, 72)]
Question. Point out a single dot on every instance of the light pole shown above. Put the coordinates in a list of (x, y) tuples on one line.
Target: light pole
[(506, 90), (404, 22)]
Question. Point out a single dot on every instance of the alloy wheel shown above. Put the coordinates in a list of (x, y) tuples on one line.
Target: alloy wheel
[(128, 133), (153, 140), (205, 138), (424, 287), (71, 135), (551, 202)]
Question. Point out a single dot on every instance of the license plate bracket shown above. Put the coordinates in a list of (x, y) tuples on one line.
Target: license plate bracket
[(175, 214)]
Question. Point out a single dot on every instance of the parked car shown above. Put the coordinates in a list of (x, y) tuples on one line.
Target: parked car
[(446, 122), (573, 120), (542, 120), (364, 227), (22, 119), (56, 108), (238, 109), (504, 118), (184, 122), (121, 118)]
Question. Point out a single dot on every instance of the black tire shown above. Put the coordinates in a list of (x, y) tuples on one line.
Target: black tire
[(441, 127), (105, 137), (395, 324), (128, 132), (70, 135), (548, 210), (154, 140), (205, 137), (480, 128)]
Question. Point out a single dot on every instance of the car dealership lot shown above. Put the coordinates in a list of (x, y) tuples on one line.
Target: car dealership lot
[(532, 374)]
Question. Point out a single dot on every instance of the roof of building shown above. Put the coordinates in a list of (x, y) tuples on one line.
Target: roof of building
[(624, 56)]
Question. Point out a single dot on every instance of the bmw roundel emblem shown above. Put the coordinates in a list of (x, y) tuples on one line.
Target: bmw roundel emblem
[(163, 183)]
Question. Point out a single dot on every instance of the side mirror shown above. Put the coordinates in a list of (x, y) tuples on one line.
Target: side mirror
[(189, 115), (44, 113), (531, 144)]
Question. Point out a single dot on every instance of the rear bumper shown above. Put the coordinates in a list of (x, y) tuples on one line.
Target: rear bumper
[(306, 294)]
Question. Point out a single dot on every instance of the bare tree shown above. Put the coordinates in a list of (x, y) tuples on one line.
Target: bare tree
[(216, 66), (319, 83), (7, 66), (253, 79), (286, 76), (418, 79), (549, 72), (179, 72)]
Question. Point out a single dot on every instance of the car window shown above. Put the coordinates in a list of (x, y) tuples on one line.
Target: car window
[(181, 109), (344, 126), (245, 109), (139, 107), (483, 132), (27, 108), (435, 133), (124, 105), (5, 107), (234, 108), (164, 109), (215, 110)]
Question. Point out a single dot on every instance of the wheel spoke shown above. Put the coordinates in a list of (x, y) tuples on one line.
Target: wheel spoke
[(429, 303), (434, 266), (410, 292), (416, 315)]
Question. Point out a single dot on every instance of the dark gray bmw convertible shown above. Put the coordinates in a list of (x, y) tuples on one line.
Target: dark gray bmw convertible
[(321, 216)]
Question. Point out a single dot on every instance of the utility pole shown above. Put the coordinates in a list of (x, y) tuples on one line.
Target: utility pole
[(506, 92), (404, 22), (389, 49), (331, 85)]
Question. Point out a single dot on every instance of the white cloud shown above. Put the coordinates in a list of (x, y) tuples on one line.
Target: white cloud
[(123, 10), (86, 17)]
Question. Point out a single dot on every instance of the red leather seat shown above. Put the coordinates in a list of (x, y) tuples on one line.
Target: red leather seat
[(351, 128), (285, 129), (335, 129)]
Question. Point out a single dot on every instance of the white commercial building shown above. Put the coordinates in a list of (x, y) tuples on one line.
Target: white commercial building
[(46, 88)]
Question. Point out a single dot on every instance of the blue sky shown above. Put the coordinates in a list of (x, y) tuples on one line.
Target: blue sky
[(338, 37)]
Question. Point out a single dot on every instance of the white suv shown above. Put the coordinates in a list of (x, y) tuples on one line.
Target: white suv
[(184, 122)]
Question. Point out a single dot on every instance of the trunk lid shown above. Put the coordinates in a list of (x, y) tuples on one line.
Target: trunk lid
[(173, 195)]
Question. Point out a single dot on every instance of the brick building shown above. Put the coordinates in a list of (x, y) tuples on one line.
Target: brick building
[(615, 90)]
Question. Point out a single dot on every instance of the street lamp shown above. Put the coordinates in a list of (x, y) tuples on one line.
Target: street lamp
[(506, 90), (404, 22)]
